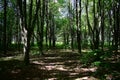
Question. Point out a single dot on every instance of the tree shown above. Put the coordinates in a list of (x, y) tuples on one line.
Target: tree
[(78, 27), (101, 10), (27, 30), (5, 24), (40, 28), (116, 24)]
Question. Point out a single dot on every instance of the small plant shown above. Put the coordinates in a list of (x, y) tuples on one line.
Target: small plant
[(92, 57), (96, 63)]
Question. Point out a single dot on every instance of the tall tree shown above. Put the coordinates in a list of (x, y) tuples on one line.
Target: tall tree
[(70, 13), (116, 24), (78, 29), (80, 25), (5, 26), (41, 27), (101, 9), (27, 30), (47, 21)]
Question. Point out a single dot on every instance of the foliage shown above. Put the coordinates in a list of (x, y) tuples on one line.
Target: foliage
[(93, 57)]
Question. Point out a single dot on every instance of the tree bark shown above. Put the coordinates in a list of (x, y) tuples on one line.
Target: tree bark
[(78, 29), (5, 26)]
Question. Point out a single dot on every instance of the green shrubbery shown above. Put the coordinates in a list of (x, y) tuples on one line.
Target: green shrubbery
[(95, 57)]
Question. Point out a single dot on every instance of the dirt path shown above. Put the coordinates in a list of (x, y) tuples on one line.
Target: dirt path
[(54, 65), (63, 65)]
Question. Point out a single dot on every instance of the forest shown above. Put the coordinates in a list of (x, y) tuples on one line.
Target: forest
[(59, 39)]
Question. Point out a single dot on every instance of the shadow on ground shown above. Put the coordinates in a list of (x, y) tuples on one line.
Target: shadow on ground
[(51, 66)]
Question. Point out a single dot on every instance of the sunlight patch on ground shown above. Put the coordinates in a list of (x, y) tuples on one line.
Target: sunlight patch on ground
[(61, 68), (86, 50), (50, 67), (52, 57), (15, 71), (45, 64), (87, 78), (83, 78), (8, 58), (67, 50), (76, 51), (51, 79), (37, 62), (56, 67), (73, 74), (63, 64), (89, 69), (85, 69), (18, 57)]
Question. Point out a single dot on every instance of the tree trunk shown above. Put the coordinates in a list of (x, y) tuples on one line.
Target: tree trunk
[(27, 30), (78, 29), (27, 47), (47, 23), (5, 25)]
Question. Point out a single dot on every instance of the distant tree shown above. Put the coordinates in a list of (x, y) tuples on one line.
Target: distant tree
[(40, 28), (116, 15), (95, 30), (47, 22), (71, 26), (101, 13)]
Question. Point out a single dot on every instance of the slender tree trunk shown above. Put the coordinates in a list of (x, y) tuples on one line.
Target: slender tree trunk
[(1, 35), (110, 27), (90, 30), (27, 48), (53, 33), (80, 21), (64, 37), (95, 28), (18, 31), (119, 22), (47, 23), (78, 29), (115, 27), (50, 29), (5, 25), (102, 22), (41, 27)]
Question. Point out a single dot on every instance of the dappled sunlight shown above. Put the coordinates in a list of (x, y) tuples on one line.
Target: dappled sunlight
[(87, 78), (52, 57), (83, 78), (67, 51), (66, 67), (8, 58), (86, 50), (17, 57), (73, 74), (89, 69), (75, 51), (15, 71), (50, 67), (52, 79), (59, 66), (37, 62)]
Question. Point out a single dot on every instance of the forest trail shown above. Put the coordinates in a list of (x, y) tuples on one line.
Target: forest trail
[(63, 65), (54, 65)]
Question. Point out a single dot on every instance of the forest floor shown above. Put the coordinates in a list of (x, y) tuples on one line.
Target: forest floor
[(54, 65)]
